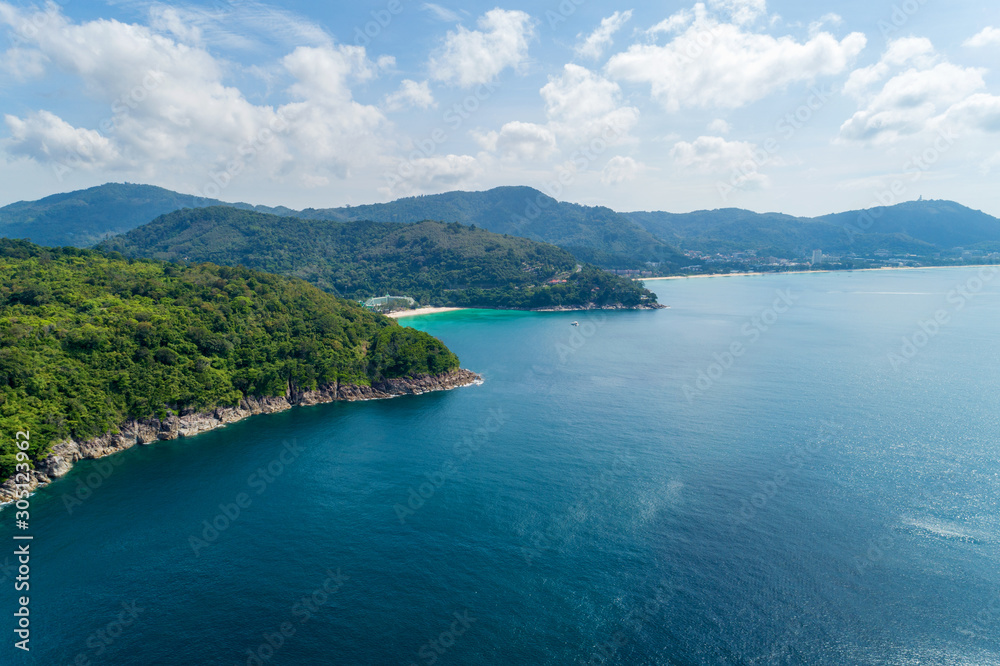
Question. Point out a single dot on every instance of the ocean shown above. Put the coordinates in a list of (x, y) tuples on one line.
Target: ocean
[(779, 469)]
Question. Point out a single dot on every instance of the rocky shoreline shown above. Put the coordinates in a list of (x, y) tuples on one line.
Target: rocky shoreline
[(189, 422), (591, 306)]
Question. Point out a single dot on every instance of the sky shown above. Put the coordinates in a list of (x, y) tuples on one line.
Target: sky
[(766, 105)]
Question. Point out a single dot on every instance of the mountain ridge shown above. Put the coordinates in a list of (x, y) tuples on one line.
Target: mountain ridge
[(593, 234)]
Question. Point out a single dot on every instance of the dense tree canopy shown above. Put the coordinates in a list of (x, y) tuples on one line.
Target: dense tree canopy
[(433, 262), (88, 340)]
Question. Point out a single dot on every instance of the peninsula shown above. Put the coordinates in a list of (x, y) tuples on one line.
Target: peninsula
[(99, 353)]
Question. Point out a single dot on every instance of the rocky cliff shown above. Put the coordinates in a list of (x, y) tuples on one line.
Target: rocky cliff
[(189, 422)]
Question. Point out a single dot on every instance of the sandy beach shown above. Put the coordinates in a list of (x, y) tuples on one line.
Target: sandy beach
[(420, 311), (882, 268)]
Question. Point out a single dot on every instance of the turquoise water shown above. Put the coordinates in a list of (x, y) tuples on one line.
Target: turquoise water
[(619, 492)]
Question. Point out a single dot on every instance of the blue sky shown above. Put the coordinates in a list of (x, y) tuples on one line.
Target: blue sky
[(772, 106)]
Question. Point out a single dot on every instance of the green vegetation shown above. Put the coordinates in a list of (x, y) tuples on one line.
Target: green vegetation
[(919, 228), (88, 340), (593, 234), (435, 263)]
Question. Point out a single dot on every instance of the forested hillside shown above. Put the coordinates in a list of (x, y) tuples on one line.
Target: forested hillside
[(88, 340), (433, 262)]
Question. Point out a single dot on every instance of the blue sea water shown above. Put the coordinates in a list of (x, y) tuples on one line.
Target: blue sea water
[(784, 469)]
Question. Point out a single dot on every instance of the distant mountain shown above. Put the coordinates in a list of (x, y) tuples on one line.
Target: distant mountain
[(915, 227), (434, 262), (944, 224), (86, 217), (593, 234)]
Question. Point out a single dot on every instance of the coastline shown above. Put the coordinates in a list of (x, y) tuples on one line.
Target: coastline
[(188, 422), (420, 311), (554, 308), (827, 270)]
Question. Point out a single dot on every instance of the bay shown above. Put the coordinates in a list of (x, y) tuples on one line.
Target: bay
[(777, 469)]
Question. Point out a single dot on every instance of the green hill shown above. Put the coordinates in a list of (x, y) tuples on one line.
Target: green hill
[(433, 262), (86, 217), (88, 340), (915, 227), (596, 235)]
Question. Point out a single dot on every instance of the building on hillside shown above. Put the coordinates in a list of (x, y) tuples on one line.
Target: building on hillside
[(389, 303), (817, 257)]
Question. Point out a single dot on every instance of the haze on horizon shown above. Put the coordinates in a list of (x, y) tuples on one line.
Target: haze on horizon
[(680, 106)]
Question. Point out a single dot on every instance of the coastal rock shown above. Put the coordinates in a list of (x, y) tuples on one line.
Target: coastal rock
[(189, 422), (592, 306)]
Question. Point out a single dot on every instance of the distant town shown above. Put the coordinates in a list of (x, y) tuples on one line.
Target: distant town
[(750, 261)]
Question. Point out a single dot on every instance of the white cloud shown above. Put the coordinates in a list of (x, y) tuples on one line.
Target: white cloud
[(827, 19), (473, 57), (920, 93), (169, 20), (673, 23), (719, 126), (23, 64), (987, 167), (437, 173), (714, 64), (909, 100), (247, 25), (519, 141), (594, 44), (740, 11), (328, 129), (916, 50), (715, 155), (619, 170), (441, 13), (988, 35), (410, 94), (582, 105), (977, 112), (169, 106), (44, 136)]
